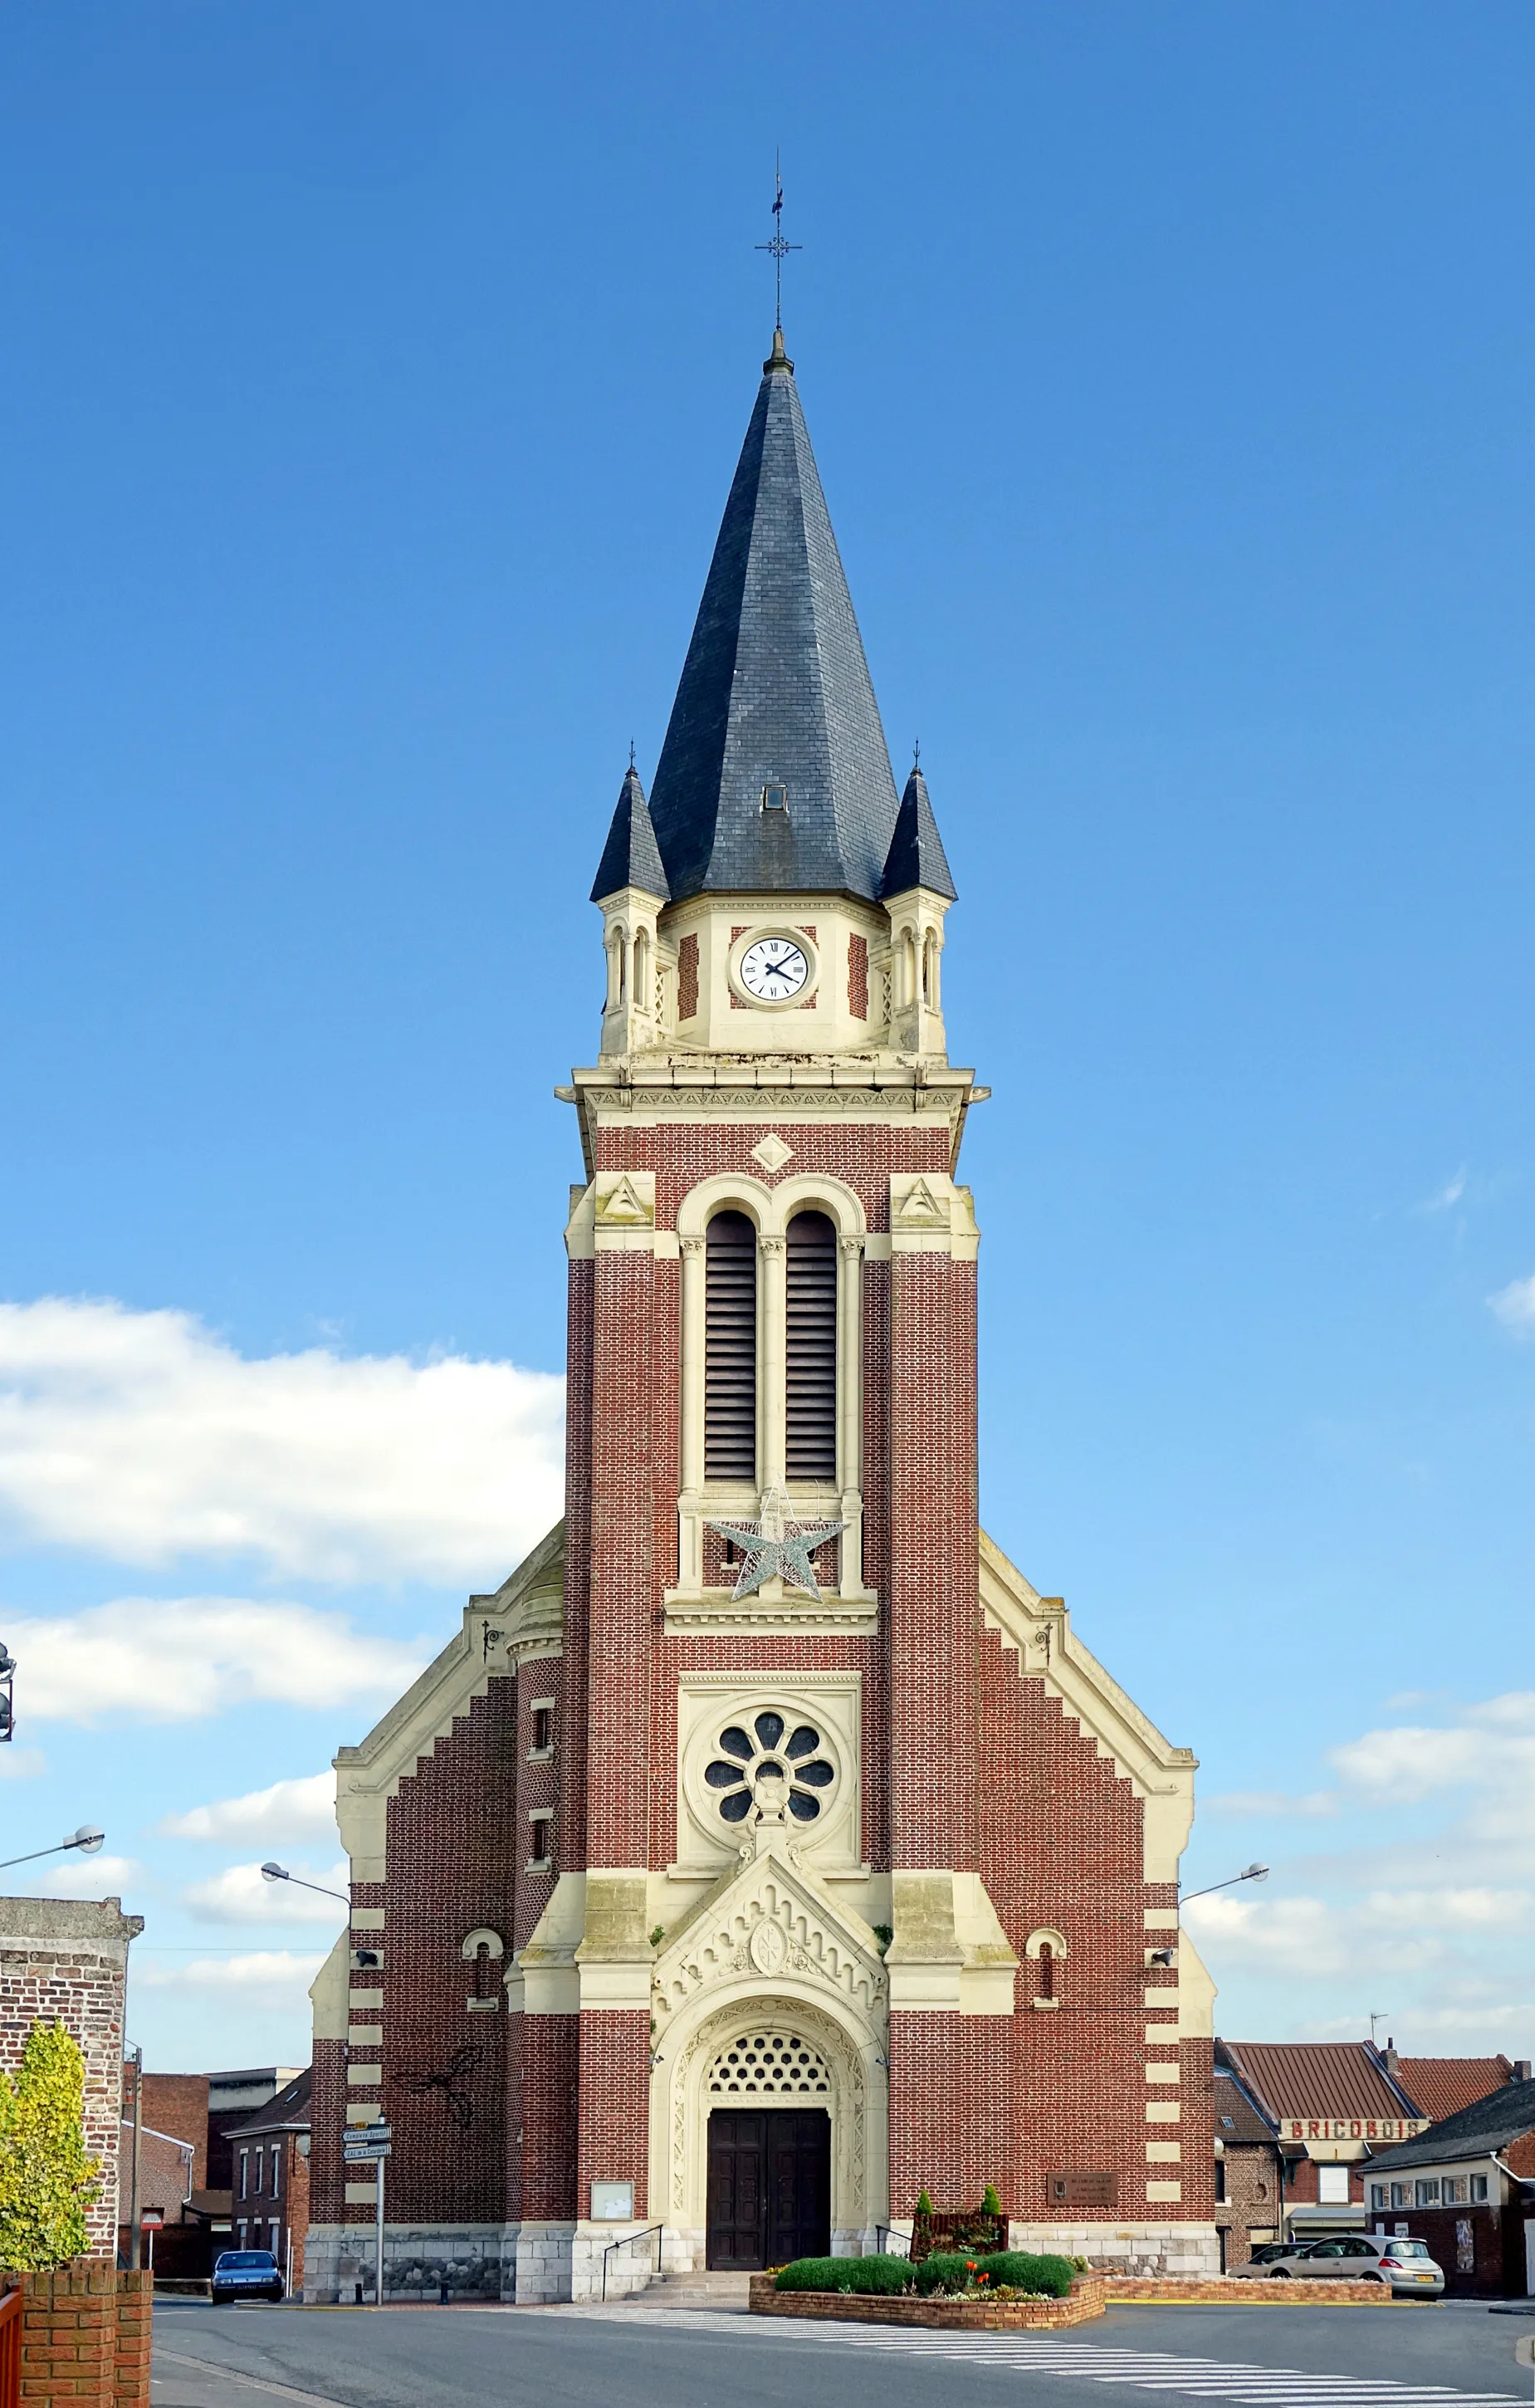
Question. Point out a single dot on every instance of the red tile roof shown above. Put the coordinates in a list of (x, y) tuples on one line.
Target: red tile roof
[(1334, 2077), (1442, 2086)]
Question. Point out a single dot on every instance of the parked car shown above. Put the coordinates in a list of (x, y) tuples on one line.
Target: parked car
[(1266, 2251), (246, 2275), (1354, 2258)]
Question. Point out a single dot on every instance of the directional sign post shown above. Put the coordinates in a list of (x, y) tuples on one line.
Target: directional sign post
[(369, 2144)]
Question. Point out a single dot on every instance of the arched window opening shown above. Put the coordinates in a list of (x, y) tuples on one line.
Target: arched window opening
[(811, 1369), (929, 970), (730, 1348), (615, 970), (642, 970), (622, 966), (1047, 1970), (908, 969)]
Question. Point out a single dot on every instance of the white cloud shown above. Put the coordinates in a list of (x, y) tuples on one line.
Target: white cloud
[(1453, 1910), (289, 1810), (1270, 1801), (1514, 1306), (1446, 1198), (274, 1972), (1279, 1934), (77, 1876), (239, 1895), (172, 1659), (144, 1437)]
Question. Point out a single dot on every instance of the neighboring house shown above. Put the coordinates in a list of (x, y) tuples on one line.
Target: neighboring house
[(1249, 2174), (1466, 2187), (1309, 2119), (166, 2166), (270, 2207), (232, 2098)]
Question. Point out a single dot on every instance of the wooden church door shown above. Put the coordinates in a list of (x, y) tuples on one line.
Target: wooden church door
[(770, 2187)]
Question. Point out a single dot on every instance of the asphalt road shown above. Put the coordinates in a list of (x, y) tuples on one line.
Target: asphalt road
[(1408, 2357)]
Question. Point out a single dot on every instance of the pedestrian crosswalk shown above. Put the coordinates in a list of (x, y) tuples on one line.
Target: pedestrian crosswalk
[(1112, 2369)]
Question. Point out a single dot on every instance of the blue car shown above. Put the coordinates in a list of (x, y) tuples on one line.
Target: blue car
[(246, 2275)]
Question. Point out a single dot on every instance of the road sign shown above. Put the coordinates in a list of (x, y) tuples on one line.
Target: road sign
[(367, 2155)]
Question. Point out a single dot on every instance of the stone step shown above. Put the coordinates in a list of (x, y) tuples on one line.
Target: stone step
[(694, 2290)]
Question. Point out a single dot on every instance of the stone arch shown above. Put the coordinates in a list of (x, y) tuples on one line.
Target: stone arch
[(770, 2020)]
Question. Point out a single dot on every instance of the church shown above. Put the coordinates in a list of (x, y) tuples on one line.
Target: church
[(765, 1851)]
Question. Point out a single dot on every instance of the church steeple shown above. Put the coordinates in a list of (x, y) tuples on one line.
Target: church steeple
[(917, 855), (631, 856), (774, 775)]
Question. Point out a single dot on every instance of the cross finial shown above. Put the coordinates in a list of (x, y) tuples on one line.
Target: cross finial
[(916, 751), (778, 250), (631, 751)]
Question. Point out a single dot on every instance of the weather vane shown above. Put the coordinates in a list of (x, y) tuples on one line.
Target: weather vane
[(778, 250)]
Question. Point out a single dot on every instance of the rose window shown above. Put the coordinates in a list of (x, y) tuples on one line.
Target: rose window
[(769, 2066), (770, 1765)]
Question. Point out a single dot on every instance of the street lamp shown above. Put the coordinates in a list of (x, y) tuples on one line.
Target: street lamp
[(87, 1840), (281, 1872), (7, 1704), (1253, 1873)]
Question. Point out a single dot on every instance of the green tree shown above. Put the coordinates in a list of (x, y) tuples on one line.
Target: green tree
[(46, 2182)]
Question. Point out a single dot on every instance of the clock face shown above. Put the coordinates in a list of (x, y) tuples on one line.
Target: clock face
[(774, 969)]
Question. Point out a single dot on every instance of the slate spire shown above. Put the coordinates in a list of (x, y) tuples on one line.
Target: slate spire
[(917, 855), (631, 856), (775, 692)]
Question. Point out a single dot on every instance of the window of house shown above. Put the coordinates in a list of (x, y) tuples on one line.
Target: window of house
[(541, 1828), (1479, 2188), (730, 1348), (1046, 1973), (1220, 2181), (1452, 2190), (1332, 2186), (1428, 2191), (1378, 2195), (543, 1730), (810, 1366), (276, 2165), (245, 2173)]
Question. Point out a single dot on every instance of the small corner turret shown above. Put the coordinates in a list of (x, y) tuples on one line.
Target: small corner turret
[(916, 890), (629, 890)]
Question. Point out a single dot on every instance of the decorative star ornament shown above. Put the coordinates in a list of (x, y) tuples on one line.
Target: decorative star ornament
[(776, 1544)]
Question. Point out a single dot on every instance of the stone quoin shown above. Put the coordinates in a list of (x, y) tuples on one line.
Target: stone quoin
[(766, 1850)]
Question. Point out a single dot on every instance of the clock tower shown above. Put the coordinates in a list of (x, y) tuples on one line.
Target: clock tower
[(806, 1859)]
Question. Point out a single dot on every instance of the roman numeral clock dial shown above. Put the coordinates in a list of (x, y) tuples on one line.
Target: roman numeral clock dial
[(774, 969)]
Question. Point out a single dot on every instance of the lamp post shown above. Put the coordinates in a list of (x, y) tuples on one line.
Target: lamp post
[(88, 1840), (280, 1873), (1253, 1873), (7, 1702)]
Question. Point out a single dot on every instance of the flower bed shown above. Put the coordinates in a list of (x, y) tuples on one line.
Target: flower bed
[(937, 2311)]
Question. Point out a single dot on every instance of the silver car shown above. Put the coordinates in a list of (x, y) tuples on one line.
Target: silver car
[(1359, 2257)]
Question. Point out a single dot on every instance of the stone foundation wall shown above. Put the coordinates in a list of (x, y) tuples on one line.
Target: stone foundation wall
[(418, 2259), (1185, 2250)]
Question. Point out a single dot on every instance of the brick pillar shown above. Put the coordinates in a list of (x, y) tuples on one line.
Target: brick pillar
[(72, 2356), (623, 1550), (934, 1575), (549, 2076), (571, 1841), (135, 2308), (615, 2073)]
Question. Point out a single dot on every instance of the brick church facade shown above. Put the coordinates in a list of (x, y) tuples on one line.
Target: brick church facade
[(765, 1850)]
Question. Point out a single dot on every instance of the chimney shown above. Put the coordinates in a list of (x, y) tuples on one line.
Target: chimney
[(1392, 2061), (1521, 2069)]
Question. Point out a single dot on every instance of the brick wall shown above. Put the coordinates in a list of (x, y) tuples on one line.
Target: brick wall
[(176, 2102), (85, 2337), (452, 1848)]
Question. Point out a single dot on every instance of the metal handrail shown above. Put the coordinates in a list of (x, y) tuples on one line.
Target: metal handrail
[(628, 2243), (891, 2233)]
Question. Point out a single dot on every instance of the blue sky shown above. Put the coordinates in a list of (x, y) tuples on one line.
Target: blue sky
[(371, 385)]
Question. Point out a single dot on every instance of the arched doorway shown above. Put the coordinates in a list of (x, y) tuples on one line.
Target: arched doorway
[(768, 2096)]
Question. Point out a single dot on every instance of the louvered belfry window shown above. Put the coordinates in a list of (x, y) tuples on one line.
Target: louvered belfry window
[(812, 1367), (730, 1348)]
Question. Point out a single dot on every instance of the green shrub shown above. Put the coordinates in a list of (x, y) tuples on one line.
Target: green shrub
[(882, 2276), (991, 2204), (1025, 2271), (925, 2205), (46, 2182)]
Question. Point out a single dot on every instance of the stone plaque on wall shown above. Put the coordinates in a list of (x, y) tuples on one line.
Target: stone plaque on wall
[(1084, 2188)]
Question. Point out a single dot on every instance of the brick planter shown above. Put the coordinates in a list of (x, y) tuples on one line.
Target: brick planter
[(85, 2337), (935, 2313), (1235, 2292)]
